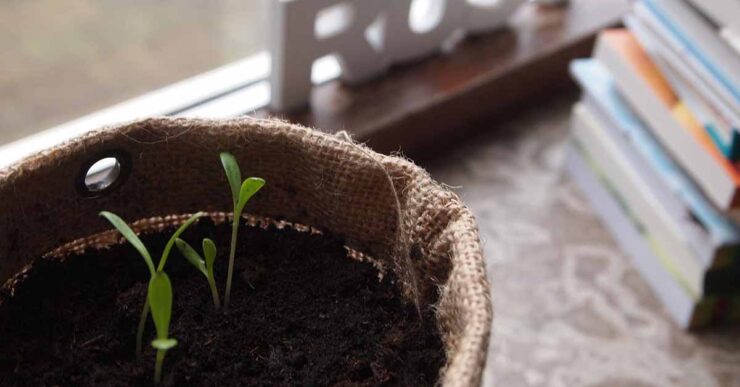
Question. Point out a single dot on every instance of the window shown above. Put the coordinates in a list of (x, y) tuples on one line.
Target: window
[(64, 59)]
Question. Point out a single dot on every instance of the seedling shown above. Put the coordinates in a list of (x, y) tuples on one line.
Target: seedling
[(204, 266), (241, 192), (159, 295), (159, 291)]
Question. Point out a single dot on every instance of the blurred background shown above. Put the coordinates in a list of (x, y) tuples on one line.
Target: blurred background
[(64, 59)]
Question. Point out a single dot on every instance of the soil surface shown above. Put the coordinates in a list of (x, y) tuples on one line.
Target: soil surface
[(301, 313)]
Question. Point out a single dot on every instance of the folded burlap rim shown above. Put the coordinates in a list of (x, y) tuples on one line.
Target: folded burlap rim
[(386, 207)]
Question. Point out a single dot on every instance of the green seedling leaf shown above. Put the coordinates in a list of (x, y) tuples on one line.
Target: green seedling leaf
[(205, 267), (164, 344), (248, 189), (191, 255), (241, 192), (209, 251), (233, 174), (160, 303), (130, 236), (171, 242)]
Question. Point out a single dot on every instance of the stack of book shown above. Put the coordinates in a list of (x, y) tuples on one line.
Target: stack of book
[(656, 150)]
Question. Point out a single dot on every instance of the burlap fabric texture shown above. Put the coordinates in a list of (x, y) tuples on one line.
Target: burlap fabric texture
[(385, 207)]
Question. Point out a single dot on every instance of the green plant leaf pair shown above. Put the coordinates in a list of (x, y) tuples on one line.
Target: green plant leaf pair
[(205, 266), (159, 291), (175, 236), (134, 240), (241, 192)]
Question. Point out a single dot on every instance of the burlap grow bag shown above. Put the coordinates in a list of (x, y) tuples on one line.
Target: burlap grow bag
[(385, 206)]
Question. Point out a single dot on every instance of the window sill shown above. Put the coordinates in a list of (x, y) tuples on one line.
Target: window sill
[(416, 108)]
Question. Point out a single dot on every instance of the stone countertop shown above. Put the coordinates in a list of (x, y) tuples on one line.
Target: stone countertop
[(569, 308)]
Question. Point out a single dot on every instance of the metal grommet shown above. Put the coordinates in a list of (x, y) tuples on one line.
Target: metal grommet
[(103, 173)]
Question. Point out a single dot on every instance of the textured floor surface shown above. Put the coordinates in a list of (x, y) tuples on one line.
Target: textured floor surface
[(570, 310)]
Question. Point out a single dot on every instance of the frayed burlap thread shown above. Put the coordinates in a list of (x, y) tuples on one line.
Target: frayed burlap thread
[(376, 202)]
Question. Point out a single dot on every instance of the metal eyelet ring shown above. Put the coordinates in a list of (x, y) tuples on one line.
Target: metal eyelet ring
[(103, 173)]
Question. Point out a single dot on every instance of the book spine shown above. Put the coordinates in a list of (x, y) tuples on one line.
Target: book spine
[(679, 306), (681, 143)]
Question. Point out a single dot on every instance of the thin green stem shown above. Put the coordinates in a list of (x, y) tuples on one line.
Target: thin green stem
[(140, 329), (158, 366), (230, 274), (214, 292)]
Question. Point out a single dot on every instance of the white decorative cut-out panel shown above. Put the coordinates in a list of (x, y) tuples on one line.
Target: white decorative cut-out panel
[(366, 37)]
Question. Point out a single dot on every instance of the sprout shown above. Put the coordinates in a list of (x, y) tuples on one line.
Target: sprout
[(204, 266), (159, 292), (241, 192), (159, 295)]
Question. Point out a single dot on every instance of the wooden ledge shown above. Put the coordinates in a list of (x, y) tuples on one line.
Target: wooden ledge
[(419, 108)]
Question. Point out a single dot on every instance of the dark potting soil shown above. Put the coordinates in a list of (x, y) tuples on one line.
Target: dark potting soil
[(301, 313)]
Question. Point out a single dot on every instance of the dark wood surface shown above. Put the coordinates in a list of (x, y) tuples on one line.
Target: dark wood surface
[(420, 108)]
